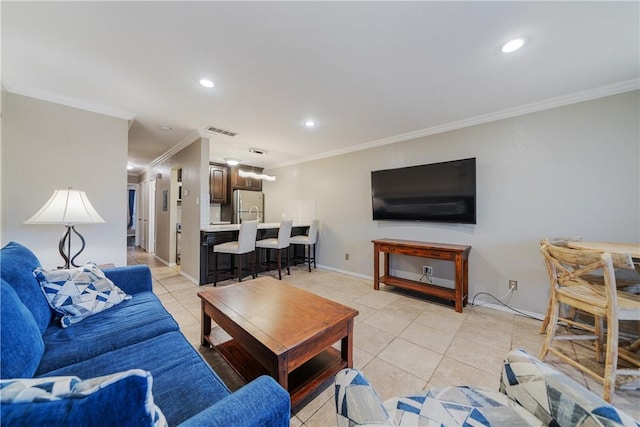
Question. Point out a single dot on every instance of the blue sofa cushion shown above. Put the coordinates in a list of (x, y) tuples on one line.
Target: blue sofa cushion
[(16, 267), (132, 321), (68, 401), (77, 293), (21, 341), (183, 385)]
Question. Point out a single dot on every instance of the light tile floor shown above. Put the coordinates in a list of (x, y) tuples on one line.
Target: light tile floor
[(402, 343)]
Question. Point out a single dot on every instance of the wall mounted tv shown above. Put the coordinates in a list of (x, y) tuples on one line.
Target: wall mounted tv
[(438, 192)]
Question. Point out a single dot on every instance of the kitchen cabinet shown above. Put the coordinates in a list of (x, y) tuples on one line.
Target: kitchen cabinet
[(218, 183), (245, 183)]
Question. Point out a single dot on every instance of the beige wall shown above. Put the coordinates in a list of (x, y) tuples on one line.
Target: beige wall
[(569, 171), (46, 146), (193, 159)]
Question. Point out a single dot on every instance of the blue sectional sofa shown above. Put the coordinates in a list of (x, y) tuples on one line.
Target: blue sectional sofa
[(141, 360)]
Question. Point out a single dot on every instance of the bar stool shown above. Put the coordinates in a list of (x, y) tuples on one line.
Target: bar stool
[(245, 244), (282, 242), (309, 242)]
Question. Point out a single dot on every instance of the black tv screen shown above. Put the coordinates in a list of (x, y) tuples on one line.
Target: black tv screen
[(439, 192)]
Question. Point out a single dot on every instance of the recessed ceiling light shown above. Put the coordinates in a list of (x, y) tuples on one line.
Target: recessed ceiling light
[(309, 123), (231, 162), (165, 128), (129, 167), (206, 83), (512, 45)]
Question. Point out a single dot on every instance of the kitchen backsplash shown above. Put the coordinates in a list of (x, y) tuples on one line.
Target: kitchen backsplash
[(214, 212), (300, 211)]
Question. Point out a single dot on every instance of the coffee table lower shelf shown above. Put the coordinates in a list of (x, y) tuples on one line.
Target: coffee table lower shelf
[(302, 381)]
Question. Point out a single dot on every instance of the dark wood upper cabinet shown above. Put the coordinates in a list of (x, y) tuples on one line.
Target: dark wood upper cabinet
[(245, 183), (218, 183)]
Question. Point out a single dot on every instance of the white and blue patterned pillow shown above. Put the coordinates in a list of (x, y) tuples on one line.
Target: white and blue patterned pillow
[(78, 293), (52, 389)]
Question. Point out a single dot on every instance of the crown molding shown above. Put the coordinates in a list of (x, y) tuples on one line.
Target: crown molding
[(70, 102), (547, 104), (192, 137)]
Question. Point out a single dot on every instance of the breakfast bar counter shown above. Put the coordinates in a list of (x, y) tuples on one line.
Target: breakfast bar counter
[(212, 235), (214, 228)]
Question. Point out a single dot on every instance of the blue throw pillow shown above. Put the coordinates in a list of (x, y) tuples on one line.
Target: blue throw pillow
[(121, 399), (20, 339), (78, 293)]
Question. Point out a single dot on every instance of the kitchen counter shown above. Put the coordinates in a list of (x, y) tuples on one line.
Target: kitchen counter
[(216, 234), (236, 227)]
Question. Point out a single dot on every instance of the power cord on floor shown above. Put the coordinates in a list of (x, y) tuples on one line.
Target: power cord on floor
[(427, 276), (510, 294)]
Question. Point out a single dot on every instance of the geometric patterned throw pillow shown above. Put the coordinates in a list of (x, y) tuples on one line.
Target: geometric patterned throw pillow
[(72, 389), (78, 293)]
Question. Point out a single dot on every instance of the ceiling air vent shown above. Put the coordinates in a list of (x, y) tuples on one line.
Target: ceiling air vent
[(257, 150), (220, 131)]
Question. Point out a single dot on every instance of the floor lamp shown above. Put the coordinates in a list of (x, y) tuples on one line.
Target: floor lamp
[(69, 208)]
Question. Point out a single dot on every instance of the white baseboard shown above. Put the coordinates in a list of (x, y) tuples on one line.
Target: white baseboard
[(489, 305), (501, 307), (182, 273)]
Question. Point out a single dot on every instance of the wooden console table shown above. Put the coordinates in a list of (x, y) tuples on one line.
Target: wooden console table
[(456, 253)]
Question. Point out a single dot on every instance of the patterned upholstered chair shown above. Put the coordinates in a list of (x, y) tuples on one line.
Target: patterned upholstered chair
[(531, 394)]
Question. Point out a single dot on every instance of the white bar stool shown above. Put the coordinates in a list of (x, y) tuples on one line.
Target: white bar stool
[(282, 242), (245, 244), (309, 242)]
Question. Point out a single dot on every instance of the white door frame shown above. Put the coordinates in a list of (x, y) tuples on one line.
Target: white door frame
[(148, 216)]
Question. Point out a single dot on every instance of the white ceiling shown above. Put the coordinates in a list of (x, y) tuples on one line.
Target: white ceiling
[(368, 72)]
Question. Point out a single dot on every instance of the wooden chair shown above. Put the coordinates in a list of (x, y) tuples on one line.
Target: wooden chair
[(282, 242), (557, 241), (309, 242), (246, 244), (570, 271)]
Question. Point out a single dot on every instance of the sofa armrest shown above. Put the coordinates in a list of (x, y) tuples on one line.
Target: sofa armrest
[(553, 397), (357, 403), (262, 402), (132, 279)]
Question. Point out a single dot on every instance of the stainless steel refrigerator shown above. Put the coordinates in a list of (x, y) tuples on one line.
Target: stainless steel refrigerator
[(247, 205)]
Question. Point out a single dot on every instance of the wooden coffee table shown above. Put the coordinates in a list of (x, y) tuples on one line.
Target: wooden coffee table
[(279, 330)]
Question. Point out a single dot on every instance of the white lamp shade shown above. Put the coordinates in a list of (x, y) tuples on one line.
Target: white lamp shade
[(66, 207)]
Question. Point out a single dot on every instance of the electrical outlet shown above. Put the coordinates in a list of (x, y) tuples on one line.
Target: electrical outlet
[(513, 285), (427, 270), (346, 257)]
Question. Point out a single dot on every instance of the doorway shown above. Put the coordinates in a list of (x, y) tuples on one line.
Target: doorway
[(132, 214)]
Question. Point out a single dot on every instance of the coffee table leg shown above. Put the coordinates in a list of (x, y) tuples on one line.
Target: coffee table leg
[(205, 326), (282, 376), (346, 346)]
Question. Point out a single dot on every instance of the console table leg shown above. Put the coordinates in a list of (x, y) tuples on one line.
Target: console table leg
[(386, 263), (459, 283), (465, 281), (376, 270)]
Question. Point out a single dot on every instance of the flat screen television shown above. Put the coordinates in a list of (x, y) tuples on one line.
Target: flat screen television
[(438, 192)]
